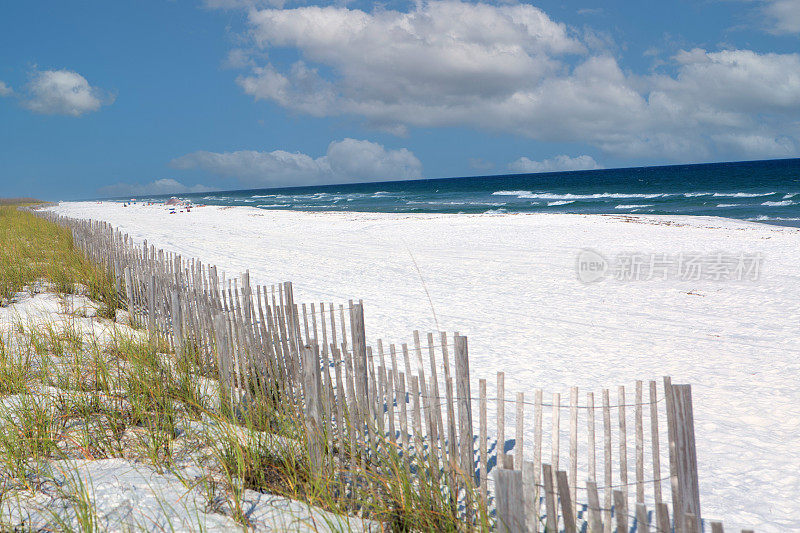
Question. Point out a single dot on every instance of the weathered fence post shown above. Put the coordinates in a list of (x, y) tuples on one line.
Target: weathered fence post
[(567, 508), (686, 457), (129, 294), (465, 416), (642, 523), (673, 466), (550, 498), (177, 323), (620, 511), (509, 500), (358, 336), (313, 406), (595, 521), (530, 494)]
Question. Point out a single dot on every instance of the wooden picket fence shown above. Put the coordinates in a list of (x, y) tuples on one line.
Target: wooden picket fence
[(414, 402)]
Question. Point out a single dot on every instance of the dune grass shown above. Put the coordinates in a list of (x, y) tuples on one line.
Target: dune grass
[(36, 250), (67, 396)]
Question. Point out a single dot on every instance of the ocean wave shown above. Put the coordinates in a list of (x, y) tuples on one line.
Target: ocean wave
[(433, 202), (500, 211), (693, 194), (743, 194), (271, 205), (790, 195), (264, 196), (510, 193), (314, 196), (632, 206), (728, 205), (760, 218), (573, 197), (560, 202), (778, 204)]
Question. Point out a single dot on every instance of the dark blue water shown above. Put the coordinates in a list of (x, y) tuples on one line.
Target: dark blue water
[(765, 191)]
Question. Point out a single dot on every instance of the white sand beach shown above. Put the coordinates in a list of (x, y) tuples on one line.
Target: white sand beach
[(509, 283)]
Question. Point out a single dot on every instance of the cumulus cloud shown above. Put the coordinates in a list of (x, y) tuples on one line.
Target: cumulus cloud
[(512, 69), (63, 92), (442, 53), (557, 163), (783, 16), (349, 160), (5, 90), (162, 186)]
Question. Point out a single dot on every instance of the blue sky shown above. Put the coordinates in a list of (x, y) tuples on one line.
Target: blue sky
[(100, 98)]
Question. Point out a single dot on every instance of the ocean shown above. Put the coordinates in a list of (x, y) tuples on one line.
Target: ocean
[(762, 191)]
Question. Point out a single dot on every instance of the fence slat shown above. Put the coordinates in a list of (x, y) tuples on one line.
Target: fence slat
[(551, 524), (623, 446), (482, 441), (620, 512), (313, 406), (642, 523), (510, 502), (573, 447), (530, 493), (537, 449), (662, 515), (520, 427), (686, 455), (639, 444), (591, 436), (501, 420), (607, 495), (556, 433), (595, 522), (656, 450), (673, 465), (567, 507)]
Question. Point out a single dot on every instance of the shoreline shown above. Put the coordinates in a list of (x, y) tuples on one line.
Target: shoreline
[(795, 224)]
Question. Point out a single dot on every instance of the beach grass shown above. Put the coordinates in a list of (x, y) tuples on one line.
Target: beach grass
[(35, 250), (69, 395)]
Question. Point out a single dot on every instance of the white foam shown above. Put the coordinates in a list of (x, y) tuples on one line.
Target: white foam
[(511, 193), (632, 206), (782, 203), (765, 217), (569, 196), (743, 194), (560, 202)]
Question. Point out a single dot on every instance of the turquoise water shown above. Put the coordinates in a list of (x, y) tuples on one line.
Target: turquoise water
[(765, 191)]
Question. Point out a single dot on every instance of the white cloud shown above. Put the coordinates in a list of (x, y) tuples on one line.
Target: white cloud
[(557, 163), (162, 186), (510, 68), (5, 90), (441, 54), (63, 92), (783, 16), (348, 160)]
